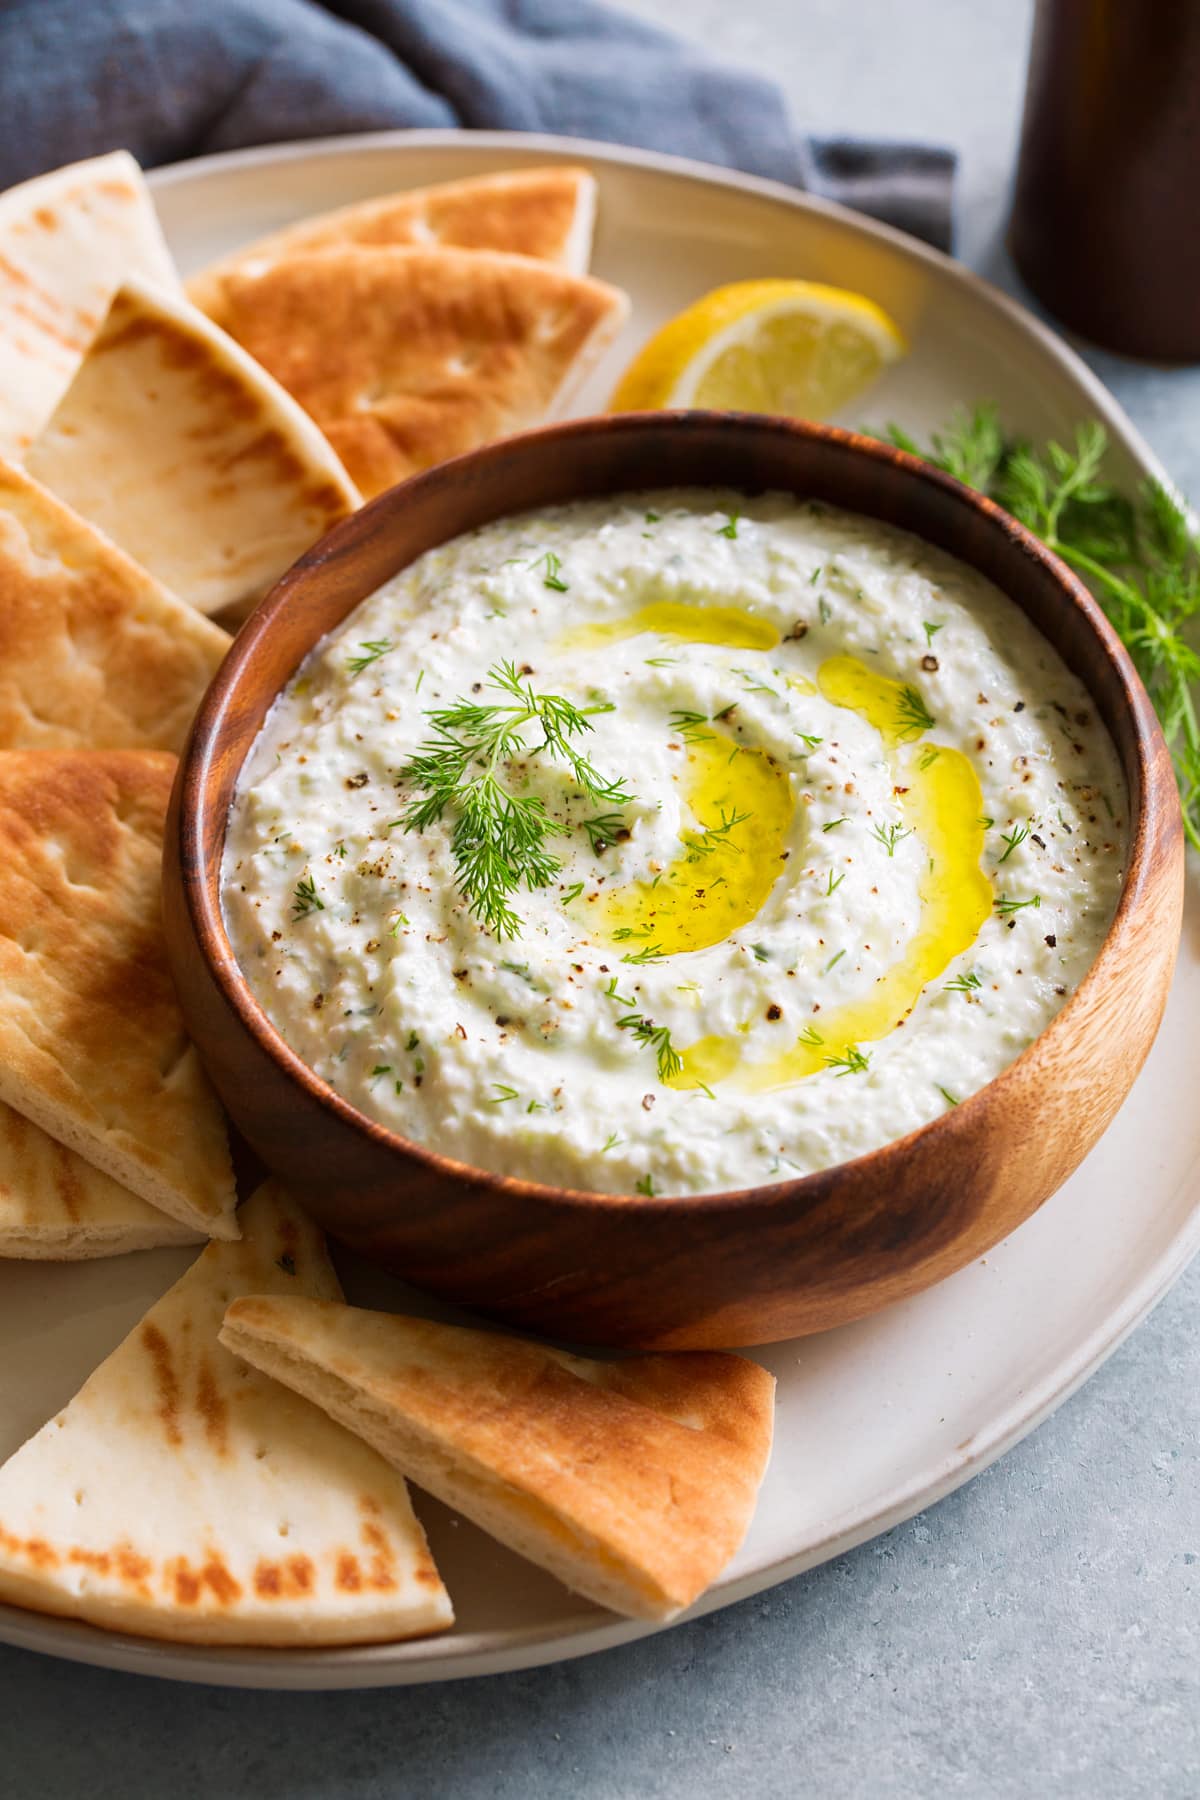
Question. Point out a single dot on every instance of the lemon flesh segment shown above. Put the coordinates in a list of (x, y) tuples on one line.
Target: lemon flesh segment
[(793, 347)]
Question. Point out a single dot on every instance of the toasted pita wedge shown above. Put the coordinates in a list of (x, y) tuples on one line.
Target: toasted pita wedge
[(407, 357), (93, 652), (55, 1207), (67, 241), (92, 1044), (177, 445), (182, 1496), (633, 1481), (545, 213)]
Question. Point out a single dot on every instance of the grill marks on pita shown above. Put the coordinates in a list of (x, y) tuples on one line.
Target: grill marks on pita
[(406, 357), (56, 1207), (184, 1496), (92, 1042), (633, 1481), (93, 652), (181, 448), (544, 213), (67, 241)]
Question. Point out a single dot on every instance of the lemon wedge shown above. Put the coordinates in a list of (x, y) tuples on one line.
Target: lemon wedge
[(793, 347)]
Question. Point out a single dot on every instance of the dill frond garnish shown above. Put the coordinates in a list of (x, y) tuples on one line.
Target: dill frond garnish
[(913, 717), (1004, 905), (852, 1061), (372, 649), (964, 984), (891, 835), (551, 567), (306, 899), (715, 837), (687, 725), (645, 1031), (602, 830), (1011, 839), (500, 839)]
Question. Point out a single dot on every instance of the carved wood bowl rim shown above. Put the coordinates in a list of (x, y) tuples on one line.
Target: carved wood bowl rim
[(203, 788)]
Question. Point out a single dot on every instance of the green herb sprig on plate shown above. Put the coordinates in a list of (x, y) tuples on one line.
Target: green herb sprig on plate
[(1140, 556)]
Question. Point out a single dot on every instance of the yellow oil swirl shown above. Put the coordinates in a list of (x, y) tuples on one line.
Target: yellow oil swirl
[(939, 798), (742, 803), (726, 625)]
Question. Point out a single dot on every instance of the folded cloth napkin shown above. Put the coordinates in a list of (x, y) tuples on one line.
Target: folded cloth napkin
[(176, 78)]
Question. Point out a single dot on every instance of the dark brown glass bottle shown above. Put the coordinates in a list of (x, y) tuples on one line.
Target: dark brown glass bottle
[(1106, 217)]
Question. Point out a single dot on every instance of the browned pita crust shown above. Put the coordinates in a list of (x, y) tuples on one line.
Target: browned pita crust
[(55, 1207), (92, 1043), (181, 449), (632, 1481), (93, 652), (545, 213), (182, 1496), (407, 357)]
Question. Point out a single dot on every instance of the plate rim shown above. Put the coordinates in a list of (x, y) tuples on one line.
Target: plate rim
[(587, 1632)]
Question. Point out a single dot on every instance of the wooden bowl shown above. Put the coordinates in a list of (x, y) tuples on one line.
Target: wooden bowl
[(720, 1269)]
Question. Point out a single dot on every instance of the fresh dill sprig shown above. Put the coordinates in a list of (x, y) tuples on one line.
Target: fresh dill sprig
[(1140, 556), (306, 899), (964, 984), (852, 1061), (645, 1031), (602, 830), (1012, 839), (913, 717), (687, 725), (372, 649), (651, 953), (1005, 905), (891, 835), (500, 839), (715, 837)]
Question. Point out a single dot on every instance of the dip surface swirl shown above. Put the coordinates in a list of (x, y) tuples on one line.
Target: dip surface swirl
[(872, 836)]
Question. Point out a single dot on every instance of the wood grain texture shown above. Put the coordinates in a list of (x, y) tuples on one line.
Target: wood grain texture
[(715, 1270)]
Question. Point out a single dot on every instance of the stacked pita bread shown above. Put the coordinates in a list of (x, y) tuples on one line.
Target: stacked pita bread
[(181, 448), (181, 1495), (633, 1482), (67, 241)]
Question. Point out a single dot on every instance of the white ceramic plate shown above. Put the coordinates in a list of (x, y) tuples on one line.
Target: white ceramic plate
[(879, 1419)]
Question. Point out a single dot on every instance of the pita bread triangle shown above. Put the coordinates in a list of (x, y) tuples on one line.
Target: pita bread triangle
[(93, 652), (92, 1043), (546, 213), (183, 451), (55, 1207), (183, 1496), (405, 357), (631, 1481), (67, 241)]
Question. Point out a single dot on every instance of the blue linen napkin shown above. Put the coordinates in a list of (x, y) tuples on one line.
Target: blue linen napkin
[(169, 79)]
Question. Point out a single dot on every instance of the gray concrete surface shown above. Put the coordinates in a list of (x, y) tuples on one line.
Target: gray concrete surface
[(1035, 1636)]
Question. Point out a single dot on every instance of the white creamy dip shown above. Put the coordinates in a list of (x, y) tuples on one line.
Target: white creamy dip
[(874, 837)]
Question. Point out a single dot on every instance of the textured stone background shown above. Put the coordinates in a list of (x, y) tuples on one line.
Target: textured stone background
[(1034, 1635)]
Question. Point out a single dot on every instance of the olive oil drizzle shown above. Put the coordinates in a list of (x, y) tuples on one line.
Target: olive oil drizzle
[(728, 626), (941, 801)]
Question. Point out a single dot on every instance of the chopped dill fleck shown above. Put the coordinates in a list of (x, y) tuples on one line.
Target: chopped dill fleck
[(824, 610), (552, 566), (964, 984), (836, 958), (399, 920), (815, 576), (834, 823), (891, 835), (373, 649), (571, 893), (420, 679), (610, 1143), (715, 837), (503, 1093), (652, 518), (1012, 839), (651, 953), (809, 740), (947, 1096), (834, 885), (660, 662), (1004, 905), (811, 1036), (339, 850), (912, 715), (729, 529), (521, 969), (380, 1069), (687, 724), (988, 823), (536, 1106), (930, 631), (646, 1186), (761, 952), (853, 1061), (928, 757), (306, 898), (413, 1041), (756, 687)]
